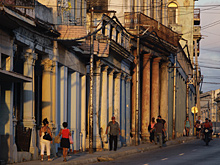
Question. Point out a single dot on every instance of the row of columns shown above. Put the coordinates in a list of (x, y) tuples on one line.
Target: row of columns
[(154, 93), (55, 109), (114, 100)]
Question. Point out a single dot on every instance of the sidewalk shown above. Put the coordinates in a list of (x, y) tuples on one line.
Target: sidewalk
[(85, 158)]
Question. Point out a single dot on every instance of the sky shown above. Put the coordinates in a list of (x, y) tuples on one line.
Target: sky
[(209, 58)]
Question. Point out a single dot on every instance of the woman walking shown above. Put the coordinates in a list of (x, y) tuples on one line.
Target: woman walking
[(65, 142), (43, 142), (151, 130), (187, 125)]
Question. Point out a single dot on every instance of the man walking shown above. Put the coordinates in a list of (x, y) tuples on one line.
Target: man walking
[(164, 128), (114, 132), (159, 130)]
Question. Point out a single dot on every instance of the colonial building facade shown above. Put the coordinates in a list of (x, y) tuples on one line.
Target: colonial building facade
[(143, 67)]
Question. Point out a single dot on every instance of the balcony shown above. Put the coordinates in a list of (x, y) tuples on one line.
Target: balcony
[(24, 7), (163, 32), (196, 16), (198, 48), (197, 32), (18, 3)]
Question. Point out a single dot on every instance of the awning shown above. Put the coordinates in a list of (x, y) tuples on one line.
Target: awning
[(9, 76)]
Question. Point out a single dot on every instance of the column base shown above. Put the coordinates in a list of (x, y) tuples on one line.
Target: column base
[(97, 143), (29, 123), (145, 138), (105, 142), (34, 152)]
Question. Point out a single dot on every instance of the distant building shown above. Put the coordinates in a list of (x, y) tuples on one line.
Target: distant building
[(209, 105)]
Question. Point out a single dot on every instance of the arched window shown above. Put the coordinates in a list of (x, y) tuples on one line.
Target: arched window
[(172, 13)]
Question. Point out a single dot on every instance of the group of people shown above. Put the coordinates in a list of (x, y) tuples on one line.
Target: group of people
[(200, 126), (45, 142), (65, 140), (157, 129)]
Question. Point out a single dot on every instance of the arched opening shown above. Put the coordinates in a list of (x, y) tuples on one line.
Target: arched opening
[(172, 13)]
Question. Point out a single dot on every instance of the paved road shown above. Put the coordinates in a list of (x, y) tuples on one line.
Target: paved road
[(191, 153)]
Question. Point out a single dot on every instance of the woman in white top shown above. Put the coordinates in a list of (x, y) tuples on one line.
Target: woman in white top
[(45, 143)]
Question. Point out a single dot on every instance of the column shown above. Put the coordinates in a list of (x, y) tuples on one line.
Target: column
[(128, 109), (117, 100), (29, 100), (74, 112), (103, 116), (63, 95), (155, 88), (164, 91), (83, 111), (110, 94), (47, 90), (29, 104), (133, 95), (145, 115), (96, 110), (123, 109)]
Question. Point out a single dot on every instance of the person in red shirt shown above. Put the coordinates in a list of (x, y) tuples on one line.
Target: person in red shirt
[(65, 142), (206, 125)]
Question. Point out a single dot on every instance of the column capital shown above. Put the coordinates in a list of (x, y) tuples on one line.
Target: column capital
[(118, 75), (123, 76), (156, 60), (48, 64), (148, 55), (105, 68), (30, 57), (128, 78), (98, 64), (164, 64), (111, 72)]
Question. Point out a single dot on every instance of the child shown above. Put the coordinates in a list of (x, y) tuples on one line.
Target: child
[(65, 142)]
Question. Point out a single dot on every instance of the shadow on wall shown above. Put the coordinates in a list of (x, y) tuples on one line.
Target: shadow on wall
[(4, 151), (4, 119)]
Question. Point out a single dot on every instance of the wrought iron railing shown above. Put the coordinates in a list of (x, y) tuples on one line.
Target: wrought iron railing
[(163, 32)]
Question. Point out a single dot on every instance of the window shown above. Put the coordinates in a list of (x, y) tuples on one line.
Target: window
[(172, 13)]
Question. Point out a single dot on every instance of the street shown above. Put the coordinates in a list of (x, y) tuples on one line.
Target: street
[(194, 152)]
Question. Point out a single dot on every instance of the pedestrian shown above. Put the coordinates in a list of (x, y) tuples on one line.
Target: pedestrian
[(65, 142), (159, 128), (151, 129), (45, 139), (114, 132), (187, 125), (198, 127), (164, 130)]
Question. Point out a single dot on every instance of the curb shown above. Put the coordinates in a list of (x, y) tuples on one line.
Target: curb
[(113, 156)]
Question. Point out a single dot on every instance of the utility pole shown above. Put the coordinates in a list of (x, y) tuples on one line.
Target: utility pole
[(137, 83), (91, 86), (197, 79), (187, 96), (174, 99)]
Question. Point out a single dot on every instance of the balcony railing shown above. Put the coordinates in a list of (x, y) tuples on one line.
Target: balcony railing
[(197, 31), (162, 31), (18, 3), (196, 16)]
